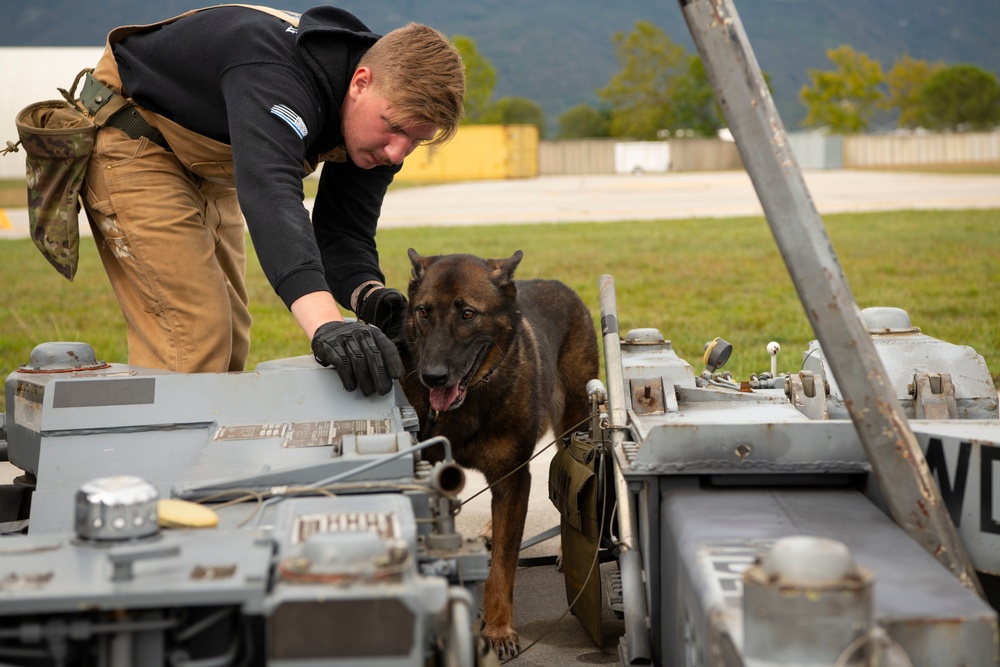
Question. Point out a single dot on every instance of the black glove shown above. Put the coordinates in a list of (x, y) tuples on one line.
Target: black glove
[(385, 308), (361, 354)]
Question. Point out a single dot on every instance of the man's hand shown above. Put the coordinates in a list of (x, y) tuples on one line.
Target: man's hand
[(385, 308), (361, 354)]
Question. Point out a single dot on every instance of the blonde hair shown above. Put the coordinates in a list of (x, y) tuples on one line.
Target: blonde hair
[(421, 74)]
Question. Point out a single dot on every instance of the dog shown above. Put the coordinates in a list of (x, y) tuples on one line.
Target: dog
[(492, 363)]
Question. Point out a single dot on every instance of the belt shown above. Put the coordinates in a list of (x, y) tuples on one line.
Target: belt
[(95, 95)]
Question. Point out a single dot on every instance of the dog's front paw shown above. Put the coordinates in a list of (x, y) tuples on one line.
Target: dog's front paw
[(560, 563), (502, 641)]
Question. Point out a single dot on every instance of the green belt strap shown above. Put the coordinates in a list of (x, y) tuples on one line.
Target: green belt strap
[(134, 125), (94, 95)]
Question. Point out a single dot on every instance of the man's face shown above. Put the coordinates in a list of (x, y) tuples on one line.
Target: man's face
[(371, 138)]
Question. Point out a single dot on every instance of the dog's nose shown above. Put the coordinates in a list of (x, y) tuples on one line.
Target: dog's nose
[(434, 377)]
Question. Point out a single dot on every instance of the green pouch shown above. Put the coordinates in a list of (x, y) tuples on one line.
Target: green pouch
[(573, 489), (58, 138)]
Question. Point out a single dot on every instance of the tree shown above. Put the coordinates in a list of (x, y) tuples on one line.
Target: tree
[(480, 78), (960, 96), (694, 100), (583, 121), (904, 82), (845, 98), (640, 95), (512, 110)]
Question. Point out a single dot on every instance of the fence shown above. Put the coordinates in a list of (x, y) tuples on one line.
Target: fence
[(704, 154), (576, 156), (813, 150), (865, 150)]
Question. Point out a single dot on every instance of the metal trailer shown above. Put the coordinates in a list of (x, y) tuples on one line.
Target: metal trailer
[(751, 528), (327, 527), (840, 514)]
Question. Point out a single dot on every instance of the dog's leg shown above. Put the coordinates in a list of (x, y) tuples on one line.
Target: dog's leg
[(509, 508)]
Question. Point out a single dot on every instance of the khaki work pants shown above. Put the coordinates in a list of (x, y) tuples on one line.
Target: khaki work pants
[(170, 233)]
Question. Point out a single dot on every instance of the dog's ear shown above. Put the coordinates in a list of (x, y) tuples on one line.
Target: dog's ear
[(503, 269), (420, 264)]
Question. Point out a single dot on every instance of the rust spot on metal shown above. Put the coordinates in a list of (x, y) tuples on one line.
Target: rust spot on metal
[(647, 396), (922, 507), (743, 451), (212, 572)]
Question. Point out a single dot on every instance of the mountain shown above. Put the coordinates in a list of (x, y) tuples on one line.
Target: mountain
[(559, 52)]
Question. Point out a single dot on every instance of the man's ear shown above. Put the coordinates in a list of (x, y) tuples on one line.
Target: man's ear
[(361, 80)]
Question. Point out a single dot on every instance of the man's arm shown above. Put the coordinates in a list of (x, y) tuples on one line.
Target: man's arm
[(345, 218), (315, 309)]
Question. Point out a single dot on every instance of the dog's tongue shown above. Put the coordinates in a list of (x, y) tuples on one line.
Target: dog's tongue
[(441, 399)]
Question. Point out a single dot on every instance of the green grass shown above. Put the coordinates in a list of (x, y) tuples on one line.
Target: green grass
[(691, 279)]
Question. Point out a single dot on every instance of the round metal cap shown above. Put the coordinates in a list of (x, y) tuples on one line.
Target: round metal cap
[(58, 357), (807, 560), (883, 319), (122, 507), (644, 336)]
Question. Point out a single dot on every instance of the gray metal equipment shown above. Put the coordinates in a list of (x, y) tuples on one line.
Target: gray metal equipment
[(266, 517), (761, 530)]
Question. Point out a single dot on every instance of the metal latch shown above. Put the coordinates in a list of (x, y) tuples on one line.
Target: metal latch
[(807, 391), (933, 396)]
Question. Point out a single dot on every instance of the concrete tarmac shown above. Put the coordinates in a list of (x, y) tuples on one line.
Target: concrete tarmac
[(540, 601), (649, 197), (674, 196)]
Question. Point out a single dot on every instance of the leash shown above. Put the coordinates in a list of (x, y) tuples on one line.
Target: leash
[(593, 567), (432, 417), (528, 462)]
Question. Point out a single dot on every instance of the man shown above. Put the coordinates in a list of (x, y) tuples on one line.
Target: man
[(231, 107)]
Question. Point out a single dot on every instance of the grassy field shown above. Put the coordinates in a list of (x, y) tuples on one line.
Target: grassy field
[(691, 279)]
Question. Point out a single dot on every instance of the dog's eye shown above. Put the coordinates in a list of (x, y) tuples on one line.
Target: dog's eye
[(421, 312), (468, 314)]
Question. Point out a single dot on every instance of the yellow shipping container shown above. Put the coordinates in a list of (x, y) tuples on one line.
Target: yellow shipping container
[(477, 152)]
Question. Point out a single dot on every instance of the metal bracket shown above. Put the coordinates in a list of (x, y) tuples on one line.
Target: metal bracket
[(123, 559), (652, 396), (807, 392), (546, 534), (933, 396)]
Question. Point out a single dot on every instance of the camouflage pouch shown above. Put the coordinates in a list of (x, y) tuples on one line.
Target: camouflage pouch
[(57, 138)]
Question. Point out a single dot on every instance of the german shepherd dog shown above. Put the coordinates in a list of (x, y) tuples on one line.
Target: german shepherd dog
[(492, 364)]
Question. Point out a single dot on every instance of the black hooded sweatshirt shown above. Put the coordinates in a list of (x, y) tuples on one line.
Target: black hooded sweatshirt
[(274, 93)]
